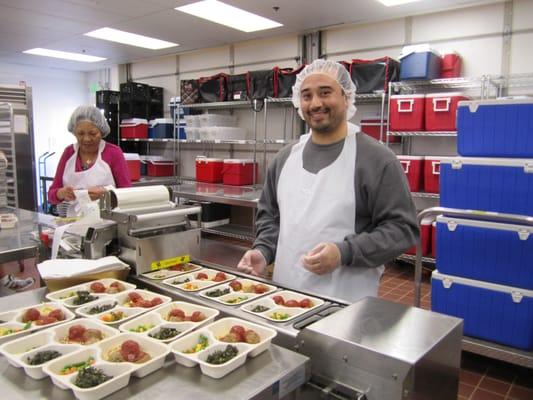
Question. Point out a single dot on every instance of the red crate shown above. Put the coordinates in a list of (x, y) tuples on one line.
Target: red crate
[(450, 66), (372, 127), (135, 128), (441, 111), (238, 172), (413, 166), (407, 112), (431, 174), (209, 169), (425, 237), (133, 161), (160, 168)]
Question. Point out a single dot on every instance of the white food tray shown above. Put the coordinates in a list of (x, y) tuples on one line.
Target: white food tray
[(179, 269), (241, 296), (14, 320), (214, 332), (120, 371), (199, 280), (18, 351), (67, 295), (281, 309), (157, 319)]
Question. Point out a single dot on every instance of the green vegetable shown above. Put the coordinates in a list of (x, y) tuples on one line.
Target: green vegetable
[(203, 342), (68, 369), (43, 356), (236, 300), (101, 309), (165, 333), (220, 357), (142, 328), (90, 377), (178, 282), (27, 325), (260, 309), (217, 292), (83, 297)]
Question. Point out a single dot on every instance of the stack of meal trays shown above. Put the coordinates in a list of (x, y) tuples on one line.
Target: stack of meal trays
[(174, 270), (201, 279)]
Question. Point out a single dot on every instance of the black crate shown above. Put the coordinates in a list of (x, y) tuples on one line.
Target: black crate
[(155, 110), (105, 98), (133, 109), (134, 91), (156, 94)]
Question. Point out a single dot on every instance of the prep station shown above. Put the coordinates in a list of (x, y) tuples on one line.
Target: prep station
[(373, 349)]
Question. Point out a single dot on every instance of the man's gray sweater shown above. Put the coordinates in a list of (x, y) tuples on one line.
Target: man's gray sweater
[(385, 224)]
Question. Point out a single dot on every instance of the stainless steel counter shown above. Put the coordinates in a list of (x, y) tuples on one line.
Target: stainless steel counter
[(18, 243)]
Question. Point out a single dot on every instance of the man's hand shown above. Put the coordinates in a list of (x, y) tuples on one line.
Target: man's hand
[(253, 262), (96, 192), (66, 193), (322, 259)]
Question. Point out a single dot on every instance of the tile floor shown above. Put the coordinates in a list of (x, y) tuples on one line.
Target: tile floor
[(481, 378)]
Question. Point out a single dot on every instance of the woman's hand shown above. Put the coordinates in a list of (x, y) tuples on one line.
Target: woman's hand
[(96, 192), (66, 193)]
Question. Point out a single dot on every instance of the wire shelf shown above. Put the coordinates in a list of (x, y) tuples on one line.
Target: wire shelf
[(424, 133)]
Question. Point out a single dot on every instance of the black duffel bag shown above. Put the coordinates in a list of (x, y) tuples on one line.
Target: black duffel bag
[(373, 75), (286, 77), (213, 88), (189, 91), (261, 83), (238, 87)]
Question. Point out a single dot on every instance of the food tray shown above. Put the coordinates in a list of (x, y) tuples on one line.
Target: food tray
[(157, 319), (175, 270), (214, 332), (18, 351), (241, 295), (194, 284), (67, 295), (119, 371), (273, 307), (14, 320), (122, 306)]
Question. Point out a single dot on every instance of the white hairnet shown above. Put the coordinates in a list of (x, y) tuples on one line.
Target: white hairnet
[(91, 114), (336, 71)]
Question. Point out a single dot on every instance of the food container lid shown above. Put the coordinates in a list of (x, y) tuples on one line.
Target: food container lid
[(206, 159), (238, 161), (134, 121), (132, 156), (156, 121)]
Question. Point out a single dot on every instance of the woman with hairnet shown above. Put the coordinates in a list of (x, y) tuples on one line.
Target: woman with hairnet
[(91, 163), (336, 205)]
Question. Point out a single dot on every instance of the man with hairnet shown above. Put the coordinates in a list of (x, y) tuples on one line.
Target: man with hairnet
[(335, 206), (90, 164)]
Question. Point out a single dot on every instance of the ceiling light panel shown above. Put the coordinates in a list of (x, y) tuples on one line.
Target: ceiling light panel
[(132, 39), (224, 14), (392, 3), (63, 54)]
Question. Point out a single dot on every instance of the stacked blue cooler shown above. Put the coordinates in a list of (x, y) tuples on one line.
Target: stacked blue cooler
[(485, 269)]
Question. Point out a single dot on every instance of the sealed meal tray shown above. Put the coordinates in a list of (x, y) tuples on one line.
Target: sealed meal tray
[(201, 279), (19, 322), (35, 351), (115, 360), (171, 321), (123, 307), (238, 291), (175, 270), (222, 346), (85, 293), (282, 306)]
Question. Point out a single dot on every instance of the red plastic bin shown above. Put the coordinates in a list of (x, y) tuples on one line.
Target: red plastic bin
[(209, 170), (406, 112), (135, 128), (133, 161), (160, 168), (432, 174), (450, 66), (238, 172), (413, 166), (372, 127), (441, 111), (425, 237)]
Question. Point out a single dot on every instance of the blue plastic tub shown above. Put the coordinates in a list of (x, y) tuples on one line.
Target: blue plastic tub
[(420, 65), (161, 128), (489, 184), (486, 251), (501, 314), (495, 128)]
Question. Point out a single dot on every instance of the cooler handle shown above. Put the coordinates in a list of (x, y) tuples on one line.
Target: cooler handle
[(445, 100), (435, 167), (161, 162), (410, 102), (405, 165)]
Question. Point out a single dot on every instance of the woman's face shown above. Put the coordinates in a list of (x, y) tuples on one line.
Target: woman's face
[(88, 136)]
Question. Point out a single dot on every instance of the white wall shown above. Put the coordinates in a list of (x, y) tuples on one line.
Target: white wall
[(56, 93)]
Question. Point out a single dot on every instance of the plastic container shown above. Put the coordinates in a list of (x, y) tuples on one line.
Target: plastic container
[(111, 287), (450, 66), (441, 111), (192, 133), (135, 128), (372, 127), (232, 294), (192, 121), (486, 251), (160, 168), (133, 161), (239, 172), (425, 238), (495, 128), (420, 65), (223, 133), (489, 184), (199, 280), (413, 166), (498, 313), (407, 112), (431, 174), (209, 170), (217, 120), (161, 128)]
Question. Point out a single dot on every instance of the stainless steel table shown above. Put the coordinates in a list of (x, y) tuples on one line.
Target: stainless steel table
[(18, 243)]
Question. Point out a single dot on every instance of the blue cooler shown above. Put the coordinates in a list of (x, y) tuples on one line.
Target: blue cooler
[(161, 128), (420, 65), (486, 251), (502, 314), (495, 128), (490, 184)]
